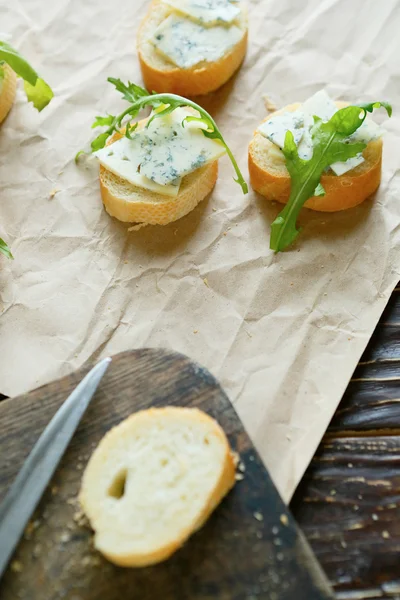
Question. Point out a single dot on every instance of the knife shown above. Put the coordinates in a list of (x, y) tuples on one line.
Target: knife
[(30, 483)]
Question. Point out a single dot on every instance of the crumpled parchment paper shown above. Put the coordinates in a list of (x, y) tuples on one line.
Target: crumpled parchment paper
[(284, 332)]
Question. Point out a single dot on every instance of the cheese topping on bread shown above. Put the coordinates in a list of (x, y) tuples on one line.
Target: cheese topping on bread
[(300, 122), (197, 31), (209, 12), (158, 156)]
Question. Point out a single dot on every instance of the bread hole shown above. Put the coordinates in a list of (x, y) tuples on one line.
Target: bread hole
[(118, 485)]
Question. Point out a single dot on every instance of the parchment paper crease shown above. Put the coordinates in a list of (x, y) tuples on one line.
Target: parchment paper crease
[(283, 332)]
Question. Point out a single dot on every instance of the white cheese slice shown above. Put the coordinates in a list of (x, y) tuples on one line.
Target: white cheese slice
[(172, 150), (158, 156), (209, 12), (339, 168), (275, 129), (187, 43), (320, 105), (122, 159)]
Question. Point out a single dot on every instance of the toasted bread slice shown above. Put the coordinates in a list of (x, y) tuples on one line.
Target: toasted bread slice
[(131, 204), (8, 88), (152, 481), (270, 178), (161, 75)]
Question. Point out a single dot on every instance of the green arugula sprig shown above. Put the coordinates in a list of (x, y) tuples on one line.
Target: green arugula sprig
[(330, 144), (36, 89), (4, 249), (162, 104)]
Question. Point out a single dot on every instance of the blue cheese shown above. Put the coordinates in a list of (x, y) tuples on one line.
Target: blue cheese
[(187, 43), (158, 156), (301, 121), (122, 159), (275, 129), (208, 12)]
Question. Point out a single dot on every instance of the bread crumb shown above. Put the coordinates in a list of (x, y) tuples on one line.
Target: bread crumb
[(333, 492), (205, 280), (257, 515), (54, 490), (239, 476), (284, 520), (53, 192), (259, 535), (16, 566), (343, 544), (249, 334), (275, 530), (375, 517), (236, 458), (137, 227), (269, 103), (242, 467), (65, 537), (214, 210), (225, 233), (73, 501), (350, 465), (386, 535), (92, 561), (36, 551), (195, 331)]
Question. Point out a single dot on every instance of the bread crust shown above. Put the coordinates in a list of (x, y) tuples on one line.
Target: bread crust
[(8, 90), (224, 484), (342, 192), (195, 81)]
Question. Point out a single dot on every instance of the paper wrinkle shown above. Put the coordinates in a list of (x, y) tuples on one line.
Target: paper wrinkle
[(283, 333)]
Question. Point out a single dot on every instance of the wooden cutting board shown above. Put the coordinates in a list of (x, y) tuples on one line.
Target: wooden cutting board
[(250, 549)]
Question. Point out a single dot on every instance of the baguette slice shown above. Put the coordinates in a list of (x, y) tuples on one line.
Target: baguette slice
[(160, 75), (8, 89), (132, 204), (270, 178), (152, 481)]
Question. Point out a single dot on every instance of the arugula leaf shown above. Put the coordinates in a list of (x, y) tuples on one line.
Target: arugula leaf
[(36, 89), (4, 249), (39, 94), (330, 144), (130, 92), (162, 104), (102, 121)]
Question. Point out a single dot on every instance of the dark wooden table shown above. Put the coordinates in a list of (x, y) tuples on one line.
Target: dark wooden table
[(348, 503)]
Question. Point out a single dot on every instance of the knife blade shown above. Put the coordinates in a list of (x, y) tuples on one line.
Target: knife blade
[(30, 483)]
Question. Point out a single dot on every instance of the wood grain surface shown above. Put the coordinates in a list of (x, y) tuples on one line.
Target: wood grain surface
[(348, 503), (250, 549)]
